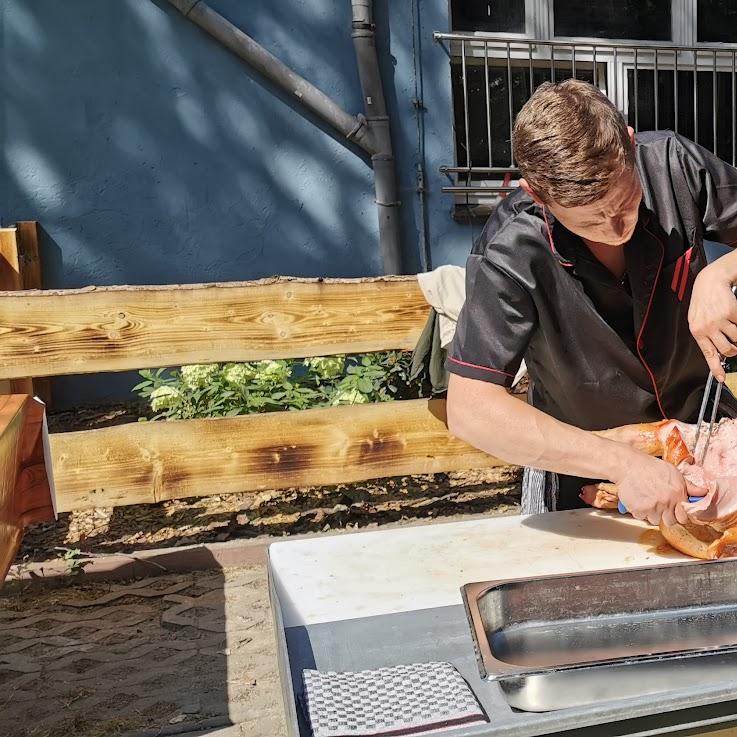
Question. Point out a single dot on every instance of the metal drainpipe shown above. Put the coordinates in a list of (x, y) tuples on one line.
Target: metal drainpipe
[(352, 127), (385, 180)]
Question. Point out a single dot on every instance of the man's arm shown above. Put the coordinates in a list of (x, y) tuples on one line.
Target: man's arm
[(712, 314), (486, 416)]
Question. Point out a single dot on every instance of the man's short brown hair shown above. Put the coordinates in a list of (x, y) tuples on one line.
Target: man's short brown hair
[(569, 143)]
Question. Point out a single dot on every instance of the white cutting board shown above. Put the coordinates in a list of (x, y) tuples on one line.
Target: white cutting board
[(403, 569)]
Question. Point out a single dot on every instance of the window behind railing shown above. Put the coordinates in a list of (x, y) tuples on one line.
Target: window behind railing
[(663, 76), (641, 20)]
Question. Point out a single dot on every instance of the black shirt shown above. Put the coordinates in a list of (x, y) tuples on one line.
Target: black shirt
[(610, 296), (571, 324)]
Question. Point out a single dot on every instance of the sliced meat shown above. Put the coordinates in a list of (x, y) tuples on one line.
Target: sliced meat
[(712, 530), (721, 458)]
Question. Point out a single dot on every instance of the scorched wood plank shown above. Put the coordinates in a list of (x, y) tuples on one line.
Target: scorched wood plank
[(45, 333), (150, 462)]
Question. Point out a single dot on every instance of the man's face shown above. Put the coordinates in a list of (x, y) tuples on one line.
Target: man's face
[(610, 220)]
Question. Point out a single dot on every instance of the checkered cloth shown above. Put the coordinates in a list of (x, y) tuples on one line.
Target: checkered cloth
[(401, 700)]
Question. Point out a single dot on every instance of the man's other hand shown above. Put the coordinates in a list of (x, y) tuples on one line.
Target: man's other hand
[(712, 317)]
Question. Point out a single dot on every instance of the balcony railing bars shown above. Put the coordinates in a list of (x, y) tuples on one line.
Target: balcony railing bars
[(689, 89)]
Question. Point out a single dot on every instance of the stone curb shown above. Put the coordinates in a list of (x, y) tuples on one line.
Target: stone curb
[(156, 561), (185, 559)]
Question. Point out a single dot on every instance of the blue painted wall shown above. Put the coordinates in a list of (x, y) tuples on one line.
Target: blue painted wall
[(150, 154)]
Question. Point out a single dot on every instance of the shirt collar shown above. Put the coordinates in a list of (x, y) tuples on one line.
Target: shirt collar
[(568, 248), (550, 224)]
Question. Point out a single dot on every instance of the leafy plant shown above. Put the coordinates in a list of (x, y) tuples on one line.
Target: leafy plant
[(73, 558), (226, 390)]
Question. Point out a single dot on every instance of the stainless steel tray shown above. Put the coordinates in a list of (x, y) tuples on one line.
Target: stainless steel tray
[(571, 640)]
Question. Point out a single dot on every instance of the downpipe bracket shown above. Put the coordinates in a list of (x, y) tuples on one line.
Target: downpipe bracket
[(362, 124), (185, 7)]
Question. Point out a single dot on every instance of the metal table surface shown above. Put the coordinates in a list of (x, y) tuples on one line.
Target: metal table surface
[(319, 623)]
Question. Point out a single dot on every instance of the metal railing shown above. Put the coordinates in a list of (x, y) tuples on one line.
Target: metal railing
[(689, 89)]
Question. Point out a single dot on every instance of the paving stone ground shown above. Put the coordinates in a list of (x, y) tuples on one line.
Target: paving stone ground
[(170, 653)]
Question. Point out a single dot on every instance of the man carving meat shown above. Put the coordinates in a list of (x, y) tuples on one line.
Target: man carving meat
[(594, 272), (711, 527)]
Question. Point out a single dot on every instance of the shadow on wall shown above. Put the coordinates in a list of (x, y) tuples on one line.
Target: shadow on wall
[(150, 154), (50, 256)]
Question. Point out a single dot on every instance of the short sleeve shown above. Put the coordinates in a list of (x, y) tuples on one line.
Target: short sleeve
[(713, 184), (494, 325)]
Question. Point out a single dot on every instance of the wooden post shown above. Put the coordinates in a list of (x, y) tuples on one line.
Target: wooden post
[(10, 280), (7, 270), (25, 486), (29, 263), (28, 256), (12, 419), (20, 268)]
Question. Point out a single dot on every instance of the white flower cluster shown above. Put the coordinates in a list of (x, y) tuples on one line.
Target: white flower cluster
[(273, 372), (326, 367), (164, 397), (238, 374), (197, 375)]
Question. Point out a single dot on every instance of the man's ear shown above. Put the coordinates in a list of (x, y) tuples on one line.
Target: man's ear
[(530, 191), (631, 131)]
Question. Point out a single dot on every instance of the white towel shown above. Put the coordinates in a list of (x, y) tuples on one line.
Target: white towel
[(444, 289), (424, 698)]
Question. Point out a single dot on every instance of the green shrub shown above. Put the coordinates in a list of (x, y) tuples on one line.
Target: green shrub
[(226, 390)]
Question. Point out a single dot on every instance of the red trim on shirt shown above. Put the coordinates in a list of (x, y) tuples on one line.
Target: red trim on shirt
[(505, 183), (676, 274), (644, 321), (684, 278), (483, 368)]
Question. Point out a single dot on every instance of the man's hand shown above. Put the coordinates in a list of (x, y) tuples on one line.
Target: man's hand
[(712, 317), (487, 417), (653, 490)]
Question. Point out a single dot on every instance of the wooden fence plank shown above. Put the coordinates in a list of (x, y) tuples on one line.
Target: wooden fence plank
[(50, 333), (12, 418), (10, 279), (149, 462)]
